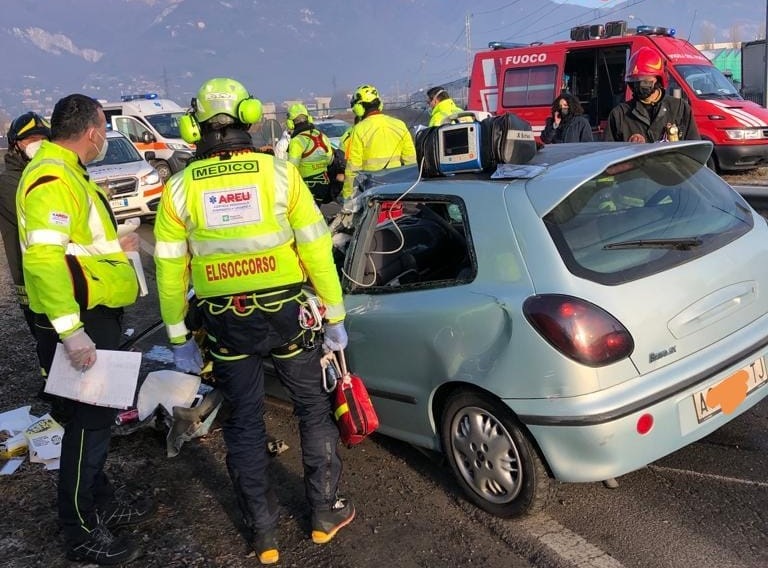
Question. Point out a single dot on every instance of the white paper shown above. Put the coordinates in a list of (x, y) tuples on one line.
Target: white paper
[(167, 388), (135, 259), (17, 419), (110, 382), (12, 465)]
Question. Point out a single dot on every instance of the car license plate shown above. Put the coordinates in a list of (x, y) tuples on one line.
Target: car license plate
[(119, 202), (729, 393)]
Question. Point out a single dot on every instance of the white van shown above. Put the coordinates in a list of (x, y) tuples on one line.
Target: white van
[(132, 185), (152, 124)]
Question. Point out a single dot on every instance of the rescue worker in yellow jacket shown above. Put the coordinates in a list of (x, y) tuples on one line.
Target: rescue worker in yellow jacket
[(442, 105), (310, 151), (245, 229), (377, 142), (78, 281)]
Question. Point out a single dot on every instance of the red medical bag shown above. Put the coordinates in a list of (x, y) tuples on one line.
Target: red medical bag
[(352, 406)]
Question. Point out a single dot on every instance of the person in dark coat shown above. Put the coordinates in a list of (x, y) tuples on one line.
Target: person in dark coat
[(651, 115), (25, 136), (567, 123)]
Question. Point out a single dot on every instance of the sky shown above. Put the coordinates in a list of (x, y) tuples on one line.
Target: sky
[(588, 3)]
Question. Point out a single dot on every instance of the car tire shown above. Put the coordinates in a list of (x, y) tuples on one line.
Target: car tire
[(163, 169), (510, 483)]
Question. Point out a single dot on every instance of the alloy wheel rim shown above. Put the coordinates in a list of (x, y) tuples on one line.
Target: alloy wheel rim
[(486, 455)]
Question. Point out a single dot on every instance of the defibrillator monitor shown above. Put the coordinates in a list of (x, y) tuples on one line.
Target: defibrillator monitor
[(459, 148)]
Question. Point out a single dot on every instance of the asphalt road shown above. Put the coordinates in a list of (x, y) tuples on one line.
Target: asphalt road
[(704, 506)]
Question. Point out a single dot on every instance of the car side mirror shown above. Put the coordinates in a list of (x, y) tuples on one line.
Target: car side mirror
[(149, 155), (147, 137)]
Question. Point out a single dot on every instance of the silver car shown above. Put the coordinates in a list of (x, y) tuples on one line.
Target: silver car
[(575, 319)]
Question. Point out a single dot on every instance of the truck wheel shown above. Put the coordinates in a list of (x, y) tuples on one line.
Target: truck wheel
[(491, 456), (163, 169)]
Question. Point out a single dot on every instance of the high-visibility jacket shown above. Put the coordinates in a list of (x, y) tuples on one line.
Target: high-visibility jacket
[(377, 142), (71, 253), (443, 110), (311, 152), (344, 140), (240, 224)]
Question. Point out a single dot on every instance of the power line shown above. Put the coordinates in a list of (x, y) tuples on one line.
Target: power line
[(580, 18), (493, 10)]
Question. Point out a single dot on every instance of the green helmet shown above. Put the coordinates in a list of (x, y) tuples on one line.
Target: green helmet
[(364, 94), (226, 96), (294, 111)]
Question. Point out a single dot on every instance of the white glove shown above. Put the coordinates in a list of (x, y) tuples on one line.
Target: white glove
[(335, 337), (187, 357), (81, 350)]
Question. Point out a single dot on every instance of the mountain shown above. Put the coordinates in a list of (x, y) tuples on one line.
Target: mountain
[(296, 50)]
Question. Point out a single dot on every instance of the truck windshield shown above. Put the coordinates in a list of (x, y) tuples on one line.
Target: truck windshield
[(707, 82), (167, 125)]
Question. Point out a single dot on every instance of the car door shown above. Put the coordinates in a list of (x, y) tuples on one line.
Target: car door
[(413, 319)]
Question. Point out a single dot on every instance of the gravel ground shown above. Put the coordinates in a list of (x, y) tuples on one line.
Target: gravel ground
[(409, 510)]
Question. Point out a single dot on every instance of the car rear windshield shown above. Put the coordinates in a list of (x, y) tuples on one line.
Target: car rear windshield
[(645, 216), (333, 129)]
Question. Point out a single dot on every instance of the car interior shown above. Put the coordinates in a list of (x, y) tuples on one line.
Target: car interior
[(413, 244)]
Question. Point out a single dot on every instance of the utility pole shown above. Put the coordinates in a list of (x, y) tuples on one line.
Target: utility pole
[(467, 29)]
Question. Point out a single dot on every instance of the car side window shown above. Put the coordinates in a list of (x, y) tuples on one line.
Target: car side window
[(409, 245)]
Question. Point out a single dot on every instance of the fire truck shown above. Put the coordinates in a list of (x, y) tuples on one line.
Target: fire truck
[(525, 79)]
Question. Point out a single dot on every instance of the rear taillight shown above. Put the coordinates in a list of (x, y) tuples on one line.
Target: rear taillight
[(579, 329)]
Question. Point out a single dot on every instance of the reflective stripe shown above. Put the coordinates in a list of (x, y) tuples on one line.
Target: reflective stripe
[(46, 237), (65, 323), (335, 313), (281, 187), (242, 245), (168, 249), (77, 482), (179, 197), (94, 249), (341, 410), (380, 163), (311, 232), (177, 330)]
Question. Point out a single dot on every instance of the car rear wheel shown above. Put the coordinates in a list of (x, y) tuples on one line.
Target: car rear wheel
[(491, 457)]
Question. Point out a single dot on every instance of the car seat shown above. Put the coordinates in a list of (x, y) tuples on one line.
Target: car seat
[(386, 264)]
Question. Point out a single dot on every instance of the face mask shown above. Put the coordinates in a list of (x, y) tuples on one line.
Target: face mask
[(564, 112), (641, 91), (32, 148), (102, 151)]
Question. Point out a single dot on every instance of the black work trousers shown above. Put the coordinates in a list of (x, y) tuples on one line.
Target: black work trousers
[(83, 485), (239, 342)]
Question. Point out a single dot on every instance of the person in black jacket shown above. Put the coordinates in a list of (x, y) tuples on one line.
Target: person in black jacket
[(24, 138), (651, 115), (567, 123)]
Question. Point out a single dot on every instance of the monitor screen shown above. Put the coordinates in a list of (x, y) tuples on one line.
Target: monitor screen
[(456, 141)]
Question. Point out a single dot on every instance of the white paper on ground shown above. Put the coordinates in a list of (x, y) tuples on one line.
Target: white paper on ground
[(12, 465), (110, 382), (167, 388), (17, 419)]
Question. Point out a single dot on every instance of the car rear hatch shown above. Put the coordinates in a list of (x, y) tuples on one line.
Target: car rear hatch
[(666, 247)]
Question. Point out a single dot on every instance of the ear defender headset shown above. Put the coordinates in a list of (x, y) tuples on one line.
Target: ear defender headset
[(219, 96), (364, 94)]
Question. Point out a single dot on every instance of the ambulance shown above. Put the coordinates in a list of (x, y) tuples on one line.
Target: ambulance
[(525, 79), (152, 124)]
